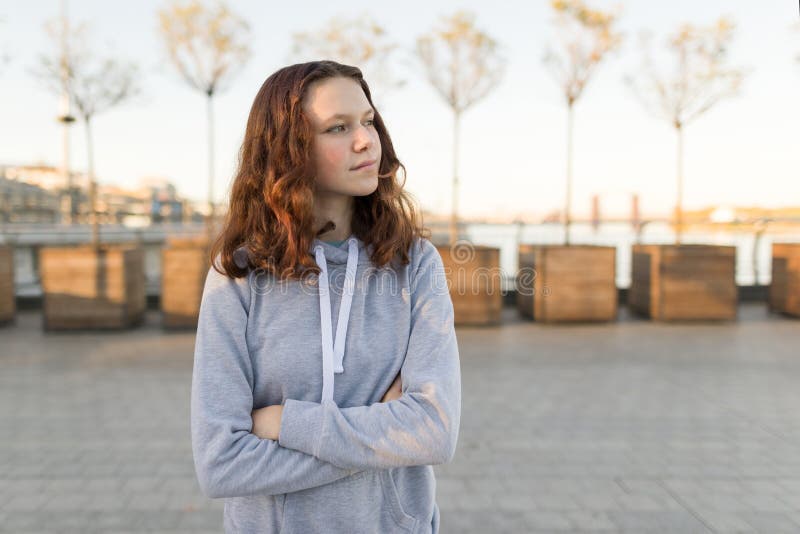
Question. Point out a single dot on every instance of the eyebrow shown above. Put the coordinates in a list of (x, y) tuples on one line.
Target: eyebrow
[(345, 116)]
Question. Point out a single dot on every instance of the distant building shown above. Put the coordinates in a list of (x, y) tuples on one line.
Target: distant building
[(21, 202), (165, 204), (39, 193), (45, 176), (52, 180)]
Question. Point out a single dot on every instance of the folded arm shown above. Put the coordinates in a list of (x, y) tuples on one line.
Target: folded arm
[(419, 428), (229, 459)]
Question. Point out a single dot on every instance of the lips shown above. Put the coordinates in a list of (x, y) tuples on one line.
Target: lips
[(364, 164)]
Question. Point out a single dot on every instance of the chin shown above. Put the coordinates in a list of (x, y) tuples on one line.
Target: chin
[(367, 187)]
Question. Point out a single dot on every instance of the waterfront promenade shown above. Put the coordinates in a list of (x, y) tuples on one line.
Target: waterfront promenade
[(632, 426)]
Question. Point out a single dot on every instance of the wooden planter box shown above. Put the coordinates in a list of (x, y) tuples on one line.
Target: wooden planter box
[(7, 298), (184, 266), (567, 283), (784, 290), (86, 288), (684, 282), (473, 276)]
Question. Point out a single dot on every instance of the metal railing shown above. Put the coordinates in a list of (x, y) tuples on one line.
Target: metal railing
[(753, 244)]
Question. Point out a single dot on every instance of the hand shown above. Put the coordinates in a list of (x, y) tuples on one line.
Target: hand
[(267, 421), (395, 391)]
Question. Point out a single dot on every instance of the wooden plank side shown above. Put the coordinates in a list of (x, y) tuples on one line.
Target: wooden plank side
[(135, 290), (88, 289), (697, 282), (183, 275), (473, 274), (784, 290), (640, 292), (525, 279), (7, 293), (576, 283)]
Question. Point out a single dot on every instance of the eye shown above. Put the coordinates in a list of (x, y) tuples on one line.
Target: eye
[(334, 128), (370, 122)]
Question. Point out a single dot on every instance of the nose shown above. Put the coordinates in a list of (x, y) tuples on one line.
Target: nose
[(363, 138)]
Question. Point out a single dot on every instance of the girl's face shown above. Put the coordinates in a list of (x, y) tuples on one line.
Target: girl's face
[(346, 149)]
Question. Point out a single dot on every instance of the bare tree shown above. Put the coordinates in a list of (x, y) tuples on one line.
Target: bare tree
[(586, 37), (463, 64), (700, 78), (358, 41), (93, 84), (208, 47)]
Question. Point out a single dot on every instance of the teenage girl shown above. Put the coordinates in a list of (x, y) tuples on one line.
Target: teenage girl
[(326, 379)]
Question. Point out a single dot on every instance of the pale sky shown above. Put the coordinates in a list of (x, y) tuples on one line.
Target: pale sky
[(512, 157)]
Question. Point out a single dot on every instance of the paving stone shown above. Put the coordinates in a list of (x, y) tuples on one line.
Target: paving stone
[(591, 520), (724, 522), (66, 502), (148, 502), (658, 521), (770, 521), (139, 484), (548, 521), (28, 503)]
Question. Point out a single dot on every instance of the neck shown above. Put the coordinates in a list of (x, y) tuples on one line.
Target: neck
[(336, 209)]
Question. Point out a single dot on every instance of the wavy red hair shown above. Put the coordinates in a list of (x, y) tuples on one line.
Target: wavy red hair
[(272, 195)]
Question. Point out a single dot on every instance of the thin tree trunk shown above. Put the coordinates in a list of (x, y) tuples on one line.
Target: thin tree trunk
[(454, 212), (761, 228), (210, 220), (679, 199), (65, 106), (92, 186), (568, 196), (756, 241), (70, 208)]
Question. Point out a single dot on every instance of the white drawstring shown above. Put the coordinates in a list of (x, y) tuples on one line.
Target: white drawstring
[(333, 355), (344, 308)]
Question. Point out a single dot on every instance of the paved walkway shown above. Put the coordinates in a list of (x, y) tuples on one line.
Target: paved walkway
[(624, 427)]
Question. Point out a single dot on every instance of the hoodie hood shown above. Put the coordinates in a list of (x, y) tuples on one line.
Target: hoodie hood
[(335, 255)]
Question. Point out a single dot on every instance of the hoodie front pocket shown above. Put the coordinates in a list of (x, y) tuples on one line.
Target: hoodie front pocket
[(364, 503), (401, 518)]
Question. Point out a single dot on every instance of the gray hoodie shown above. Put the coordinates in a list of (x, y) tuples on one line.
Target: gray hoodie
[(327, 348)]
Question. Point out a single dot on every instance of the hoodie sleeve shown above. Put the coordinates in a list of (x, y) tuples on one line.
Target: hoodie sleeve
[(419, 428), (229, 460)]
